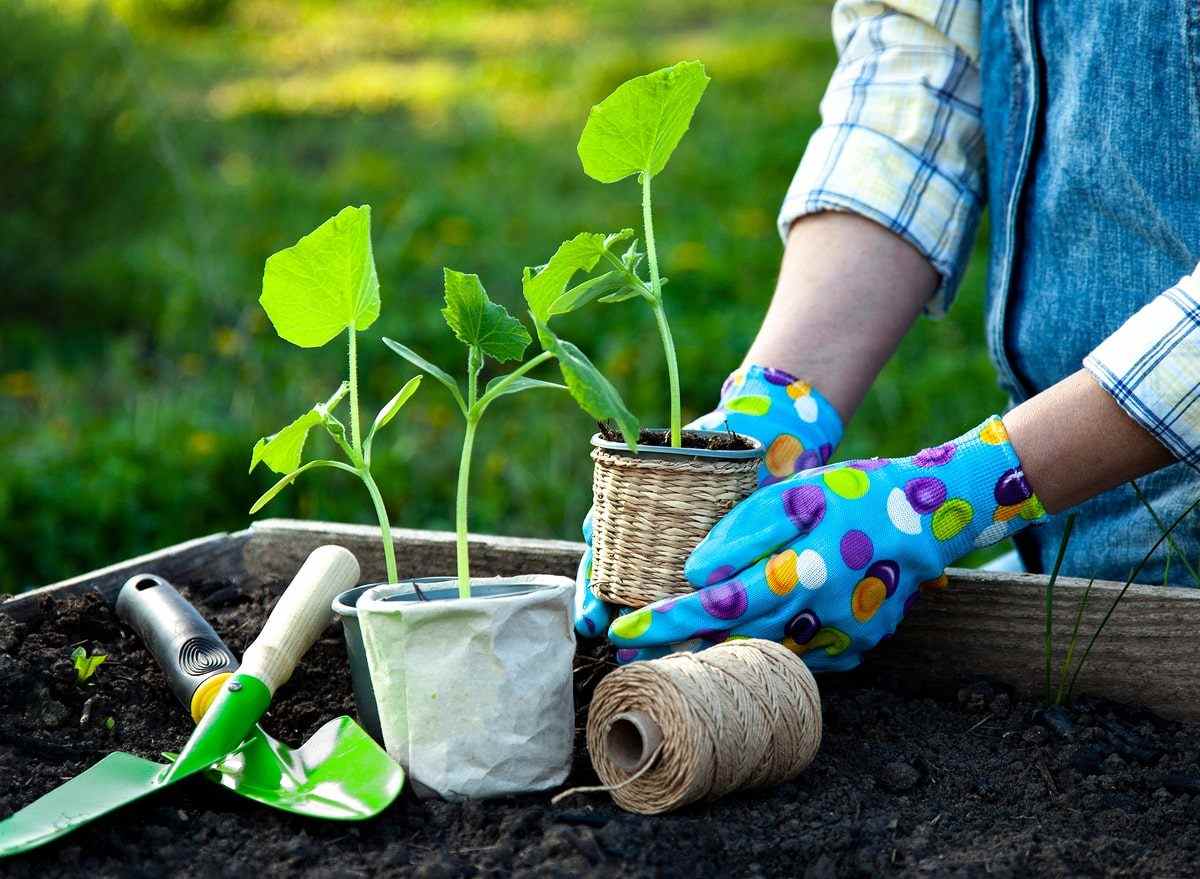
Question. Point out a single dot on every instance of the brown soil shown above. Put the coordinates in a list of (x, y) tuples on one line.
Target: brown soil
[(963, 783), (691, 439)]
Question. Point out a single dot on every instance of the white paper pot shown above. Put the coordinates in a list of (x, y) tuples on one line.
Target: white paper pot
[(475, 695)]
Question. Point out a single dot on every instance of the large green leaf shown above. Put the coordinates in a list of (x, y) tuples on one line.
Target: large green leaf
[(593, 392), (325, 282), (480, 323), (636, 128), (282, 451)]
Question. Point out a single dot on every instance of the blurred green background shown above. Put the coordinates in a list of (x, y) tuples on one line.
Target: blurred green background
[(155, 152)]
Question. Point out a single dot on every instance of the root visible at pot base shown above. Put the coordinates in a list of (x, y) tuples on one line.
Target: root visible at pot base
[(742, 714)]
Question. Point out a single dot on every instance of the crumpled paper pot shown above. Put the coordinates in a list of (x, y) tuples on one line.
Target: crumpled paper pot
[(475, 695)]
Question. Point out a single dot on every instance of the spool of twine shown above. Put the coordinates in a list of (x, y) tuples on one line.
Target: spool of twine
[(697, 726), (648, 514)]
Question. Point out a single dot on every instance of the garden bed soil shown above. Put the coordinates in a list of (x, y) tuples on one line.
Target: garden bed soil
[(714, 441), (964, 782)]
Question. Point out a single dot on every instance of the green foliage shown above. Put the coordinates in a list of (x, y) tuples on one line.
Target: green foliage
[(325, 283), (478, 322), (85, 665), (636, 128), (74, 124), (135, 364)]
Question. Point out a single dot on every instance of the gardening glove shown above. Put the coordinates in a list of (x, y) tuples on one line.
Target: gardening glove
[(828, 561), (798, 426)]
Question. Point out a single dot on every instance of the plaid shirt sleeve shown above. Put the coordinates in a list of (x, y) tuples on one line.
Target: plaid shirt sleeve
[(1151, 366), (901, 135)]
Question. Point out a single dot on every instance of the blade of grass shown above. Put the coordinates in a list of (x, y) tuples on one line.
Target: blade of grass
[(1066, 665), (1132, 576), (1049, 646), (1173, 547)]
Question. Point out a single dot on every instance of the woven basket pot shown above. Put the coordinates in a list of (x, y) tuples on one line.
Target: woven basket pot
[(651, 509)]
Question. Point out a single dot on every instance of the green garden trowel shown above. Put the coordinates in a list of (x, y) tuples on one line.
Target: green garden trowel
[(119, 779), (340, 773)]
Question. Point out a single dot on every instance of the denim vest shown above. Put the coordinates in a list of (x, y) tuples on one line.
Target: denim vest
[(1091, 115)]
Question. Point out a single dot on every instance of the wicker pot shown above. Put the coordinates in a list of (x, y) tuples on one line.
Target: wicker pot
[(650, 510)]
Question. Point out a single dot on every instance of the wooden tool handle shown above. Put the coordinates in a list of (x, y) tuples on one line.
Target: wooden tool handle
[(300, 616)]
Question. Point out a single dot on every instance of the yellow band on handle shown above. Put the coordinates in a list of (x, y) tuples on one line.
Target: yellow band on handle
[(206, 693)]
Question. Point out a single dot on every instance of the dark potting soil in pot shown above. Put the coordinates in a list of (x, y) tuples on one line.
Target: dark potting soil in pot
[(960, 783), (690, 439)]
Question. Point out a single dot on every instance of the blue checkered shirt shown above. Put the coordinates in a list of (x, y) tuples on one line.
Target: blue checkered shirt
[(901, 142)]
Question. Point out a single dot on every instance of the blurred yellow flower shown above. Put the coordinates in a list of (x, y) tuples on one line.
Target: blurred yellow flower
[(226, 342), (455, 231), (19, 385), (688, 256), (202, 443), (191, 364)]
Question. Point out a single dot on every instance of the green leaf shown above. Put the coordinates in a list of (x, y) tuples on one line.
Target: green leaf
[(85, 666), (516, 386), (636, 128), (282, 451), (480, 323), (270, 493), (388, 412), (436, 371), (593, 392), (543, 286), (324, 283)]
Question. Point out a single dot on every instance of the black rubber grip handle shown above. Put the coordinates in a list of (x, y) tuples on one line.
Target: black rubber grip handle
[(180, 640)]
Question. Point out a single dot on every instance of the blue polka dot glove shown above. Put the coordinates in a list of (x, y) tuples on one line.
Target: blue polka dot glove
[(828, 561), (797, 425)]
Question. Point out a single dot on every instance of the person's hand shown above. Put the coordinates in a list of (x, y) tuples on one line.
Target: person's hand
[(797, 425), (828, 561)]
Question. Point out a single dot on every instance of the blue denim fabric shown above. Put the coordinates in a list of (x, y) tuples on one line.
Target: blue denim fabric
[(1092, 125)]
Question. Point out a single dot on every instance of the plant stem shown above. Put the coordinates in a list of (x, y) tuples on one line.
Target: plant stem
[(1059, 698), (460, 509), (1137, 569), (660, 315), (1049, 646), (1171, 544), (355, 430), (385, 528)]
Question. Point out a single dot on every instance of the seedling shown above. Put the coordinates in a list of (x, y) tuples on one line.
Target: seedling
[(85, 665), (488, 330), (634, 131), (314, 291)]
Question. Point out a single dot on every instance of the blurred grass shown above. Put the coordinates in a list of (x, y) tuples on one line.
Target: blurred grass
[(162, 149)]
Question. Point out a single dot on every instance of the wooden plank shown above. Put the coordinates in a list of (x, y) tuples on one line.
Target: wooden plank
[(212, 559), (984, 623), (277, 547)]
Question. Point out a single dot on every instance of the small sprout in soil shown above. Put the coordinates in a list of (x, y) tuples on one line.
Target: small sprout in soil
[(633, 132), (488, 330), (322, 286), (110, 723), (85, 665)]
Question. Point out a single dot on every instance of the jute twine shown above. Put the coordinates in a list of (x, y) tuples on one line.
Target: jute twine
[(741, 714), (649, 514)]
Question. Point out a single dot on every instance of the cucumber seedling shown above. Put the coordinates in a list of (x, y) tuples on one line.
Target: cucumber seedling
[(633, 132), (85, 665), (322, 286), (488, 330)]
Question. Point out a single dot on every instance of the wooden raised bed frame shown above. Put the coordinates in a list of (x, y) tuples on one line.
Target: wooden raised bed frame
[(983, 623)]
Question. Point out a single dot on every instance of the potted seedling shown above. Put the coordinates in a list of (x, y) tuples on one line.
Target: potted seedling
[(468, 681), (654, 503), (322, 286)]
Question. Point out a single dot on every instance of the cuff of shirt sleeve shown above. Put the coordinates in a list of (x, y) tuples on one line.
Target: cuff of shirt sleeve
[(1151, 367), (853, 169)]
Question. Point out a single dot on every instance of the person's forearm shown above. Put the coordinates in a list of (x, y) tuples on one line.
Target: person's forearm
[(1074, 442), (847, 293)]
